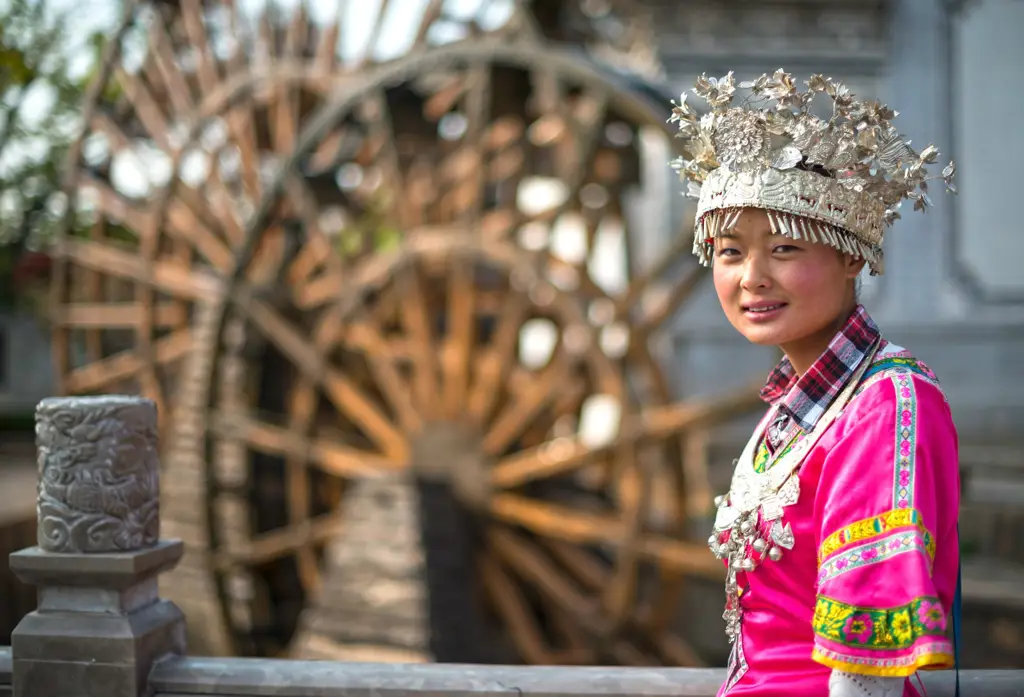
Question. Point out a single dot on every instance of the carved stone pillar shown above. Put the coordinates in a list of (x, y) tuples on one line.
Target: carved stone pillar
[(100, 623)]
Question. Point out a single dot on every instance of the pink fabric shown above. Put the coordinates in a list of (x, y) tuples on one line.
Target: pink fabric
[(875, 602)]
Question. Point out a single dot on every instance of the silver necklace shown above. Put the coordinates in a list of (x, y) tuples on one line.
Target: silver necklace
[(752, 512)]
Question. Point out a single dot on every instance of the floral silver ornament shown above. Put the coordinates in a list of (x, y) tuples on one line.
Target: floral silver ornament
[(741, 139)]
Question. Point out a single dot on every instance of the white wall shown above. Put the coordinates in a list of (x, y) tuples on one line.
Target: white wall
[(989, 106)]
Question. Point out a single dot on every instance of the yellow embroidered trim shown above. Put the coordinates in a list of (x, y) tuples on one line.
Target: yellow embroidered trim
[(874, 526), (926, 661)]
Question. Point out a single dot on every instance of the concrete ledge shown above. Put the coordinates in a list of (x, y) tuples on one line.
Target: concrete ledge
[(177, 677)]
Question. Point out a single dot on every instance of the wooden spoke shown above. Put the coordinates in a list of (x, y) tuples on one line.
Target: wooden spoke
[(546, 460), (383, 365), (640, 285), (541, 571), (345, 395), (510, 422), (129, 314), (531, 563), (416, 322), (567, 525), (674, 419), (281, 542), (515, 611), (493, 365), (331, 457), (667, 307), (585, 568), (343, 270), (120, 265), (106, 373), (458, 349), (556, 521), (567, 454)]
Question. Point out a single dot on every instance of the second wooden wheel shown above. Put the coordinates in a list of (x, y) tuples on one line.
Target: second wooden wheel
[(458, 301)]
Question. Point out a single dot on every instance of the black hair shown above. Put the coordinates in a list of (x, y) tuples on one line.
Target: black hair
[(817, 169)]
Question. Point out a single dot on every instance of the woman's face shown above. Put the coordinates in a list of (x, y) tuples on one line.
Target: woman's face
[(779, 291)]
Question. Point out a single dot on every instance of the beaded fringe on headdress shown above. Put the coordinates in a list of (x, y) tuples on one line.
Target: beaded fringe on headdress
[(714, 223)]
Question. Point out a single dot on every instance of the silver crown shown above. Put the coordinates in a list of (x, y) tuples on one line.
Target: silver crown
[(839, 181)]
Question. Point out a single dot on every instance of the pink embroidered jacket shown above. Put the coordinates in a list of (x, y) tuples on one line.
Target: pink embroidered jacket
[(869, 583)]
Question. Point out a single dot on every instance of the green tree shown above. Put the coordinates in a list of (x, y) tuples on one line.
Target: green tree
[(39, 118)]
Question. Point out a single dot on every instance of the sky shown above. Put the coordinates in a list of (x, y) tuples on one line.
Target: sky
[(396, 36)]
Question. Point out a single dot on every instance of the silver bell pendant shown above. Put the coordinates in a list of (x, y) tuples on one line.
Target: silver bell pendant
[(775, 554)]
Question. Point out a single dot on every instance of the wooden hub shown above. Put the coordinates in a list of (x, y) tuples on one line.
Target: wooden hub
[(453, 452)]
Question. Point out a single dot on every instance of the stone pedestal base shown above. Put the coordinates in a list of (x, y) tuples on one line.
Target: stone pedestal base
[(100, 624)]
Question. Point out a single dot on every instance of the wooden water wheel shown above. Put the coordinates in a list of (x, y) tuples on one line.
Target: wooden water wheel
[(420, 265), (192, 104)]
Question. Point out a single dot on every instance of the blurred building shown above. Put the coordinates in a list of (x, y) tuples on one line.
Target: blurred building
[(25, 370)]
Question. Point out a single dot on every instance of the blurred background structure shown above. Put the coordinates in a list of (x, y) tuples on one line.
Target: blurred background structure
[(537, 142)]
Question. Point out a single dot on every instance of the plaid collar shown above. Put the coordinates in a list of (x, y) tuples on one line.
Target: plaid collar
[(805, 398)]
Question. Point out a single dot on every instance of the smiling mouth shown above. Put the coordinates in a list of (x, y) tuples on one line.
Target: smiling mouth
[(763, 308)]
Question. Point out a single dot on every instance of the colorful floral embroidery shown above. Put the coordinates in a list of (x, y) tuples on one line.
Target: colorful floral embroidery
[(874, 628), (855, 533), (902, 361), (931, 615), (902, 627), (878, 551), (764, 460), (761, 461), (884, 369), (859, 628), (906, 441)]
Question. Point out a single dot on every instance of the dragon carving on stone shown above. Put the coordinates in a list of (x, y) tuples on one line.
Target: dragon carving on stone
[(99, 485)]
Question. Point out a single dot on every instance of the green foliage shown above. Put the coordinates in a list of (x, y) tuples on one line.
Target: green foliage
[(40, 102), (372, 228)]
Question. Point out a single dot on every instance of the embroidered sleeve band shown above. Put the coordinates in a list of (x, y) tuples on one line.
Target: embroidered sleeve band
[(907, 540), (882, 526), (895, 641)]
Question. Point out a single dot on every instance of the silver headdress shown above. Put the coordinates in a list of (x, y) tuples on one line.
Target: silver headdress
[(839, 181)]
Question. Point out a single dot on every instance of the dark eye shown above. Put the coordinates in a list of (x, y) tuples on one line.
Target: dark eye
[(786, 248), (728, 252)]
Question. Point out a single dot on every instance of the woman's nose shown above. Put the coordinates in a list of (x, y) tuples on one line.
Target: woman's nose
[(755, 273)]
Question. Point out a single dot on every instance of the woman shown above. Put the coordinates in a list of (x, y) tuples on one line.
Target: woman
[(839, 528)]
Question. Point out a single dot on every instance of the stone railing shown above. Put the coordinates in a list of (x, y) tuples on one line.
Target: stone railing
[(5, 671), (101, 629)]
